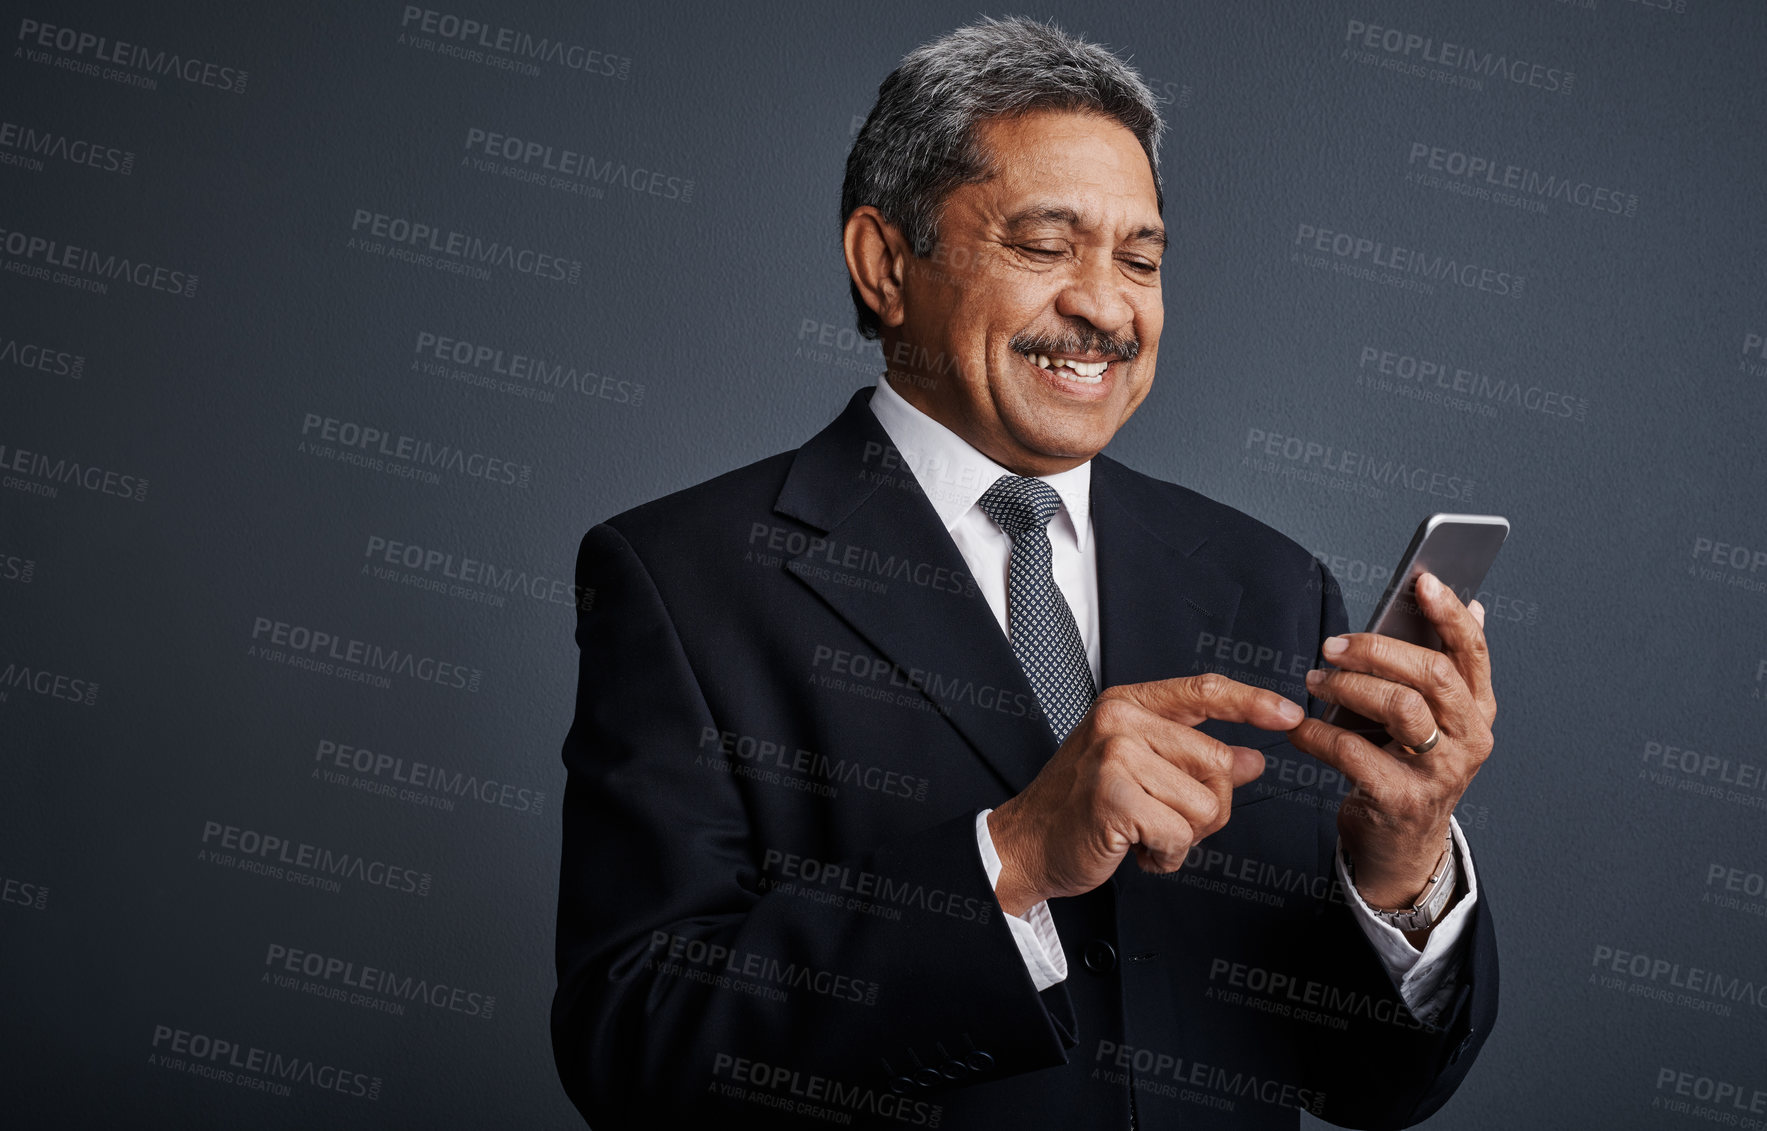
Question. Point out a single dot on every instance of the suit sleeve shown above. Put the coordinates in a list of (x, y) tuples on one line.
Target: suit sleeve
[(680, 970), (1388, 1069)]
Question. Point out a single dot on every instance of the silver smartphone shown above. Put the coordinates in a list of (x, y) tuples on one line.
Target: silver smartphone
[(1459, 550)]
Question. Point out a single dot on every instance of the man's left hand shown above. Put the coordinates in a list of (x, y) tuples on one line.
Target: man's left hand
[(1394, 824)]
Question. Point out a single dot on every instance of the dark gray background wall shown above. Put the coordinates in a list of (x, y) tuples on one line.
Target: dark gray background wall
[(175, 521)]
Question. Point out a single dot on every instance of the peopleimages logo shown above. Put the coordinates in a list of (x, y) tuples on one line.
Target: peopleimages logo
[(25, 147), (1754, 345), (248, 1066), (1427, 57), (15, 568), (35, 473), (83, 51), (46, 683), (519, 374), (1683, 770), (1658, 979), (794, 1091), (297, 862), (398, 237), (1504, 182), (44, 359), (417, 783), (405, 456), (23, 893), (1441, 381), (1730, 564), (1150, 1065), (1726, 1098), (505, 48), (1353, 466), (442, 571), (371, 987), (360, 661), (532, 161), (51, 261), (1402, 264)]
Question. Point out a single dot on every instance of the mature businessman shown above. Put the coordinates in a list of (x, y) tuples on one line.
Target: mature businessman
[(903, 785)]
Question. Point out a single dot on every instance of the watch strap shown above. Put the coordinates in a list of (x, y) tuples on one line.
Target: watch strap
[(1430, 904)]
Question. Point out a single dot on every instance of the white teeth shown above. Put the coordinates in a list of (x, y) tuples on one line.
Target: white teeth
[(1086, 372)]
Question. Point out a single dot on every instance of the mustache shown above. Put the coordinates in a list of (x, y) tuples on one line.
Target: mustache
[(1077, 341)]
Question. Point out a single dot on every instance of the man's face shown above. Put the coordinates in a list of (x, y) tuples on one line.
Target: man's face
[(1053, 261)]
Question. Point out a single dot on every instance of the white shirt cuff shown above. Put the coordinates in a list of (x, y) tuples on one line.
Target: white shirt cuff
[(1425, 979), (1038, 944)]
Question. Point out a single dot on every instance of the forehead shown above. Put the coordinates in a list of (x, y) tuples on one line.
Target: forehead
[(1087, 164)]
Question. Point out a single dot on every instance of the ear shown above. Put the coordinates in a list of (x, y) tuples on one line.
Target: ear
[(877, 259)]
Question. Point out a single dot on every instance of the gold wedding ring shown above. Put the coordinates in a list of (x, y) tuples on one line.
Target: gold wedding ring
[(1427, 745)]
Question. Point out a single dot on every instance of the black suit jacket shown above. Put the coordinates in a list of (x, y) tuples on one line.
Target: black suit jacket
[(792, 704)]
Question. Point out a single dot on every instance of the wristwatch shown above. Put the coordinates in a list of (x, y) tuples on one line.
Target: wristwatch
[(1431, 903)]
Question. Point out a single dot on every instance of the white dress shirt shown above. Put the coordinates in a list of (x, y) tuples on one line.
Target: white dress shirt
[(954, 475)]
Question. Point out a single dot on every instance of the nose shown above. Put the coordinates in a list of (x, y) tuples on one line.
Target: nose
[(1095, 294)]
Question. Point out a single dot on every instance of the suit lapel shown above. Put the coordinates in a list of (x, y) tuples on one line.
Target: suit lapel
[(1156, 596), (848, 482)]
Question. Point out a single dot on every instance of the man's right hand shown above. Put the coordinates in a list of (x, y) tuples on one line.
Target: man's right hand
[(1134, 774)]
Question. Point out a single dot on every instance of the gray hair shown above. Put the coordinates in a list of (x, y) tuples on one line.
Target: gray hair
[(919, 141)]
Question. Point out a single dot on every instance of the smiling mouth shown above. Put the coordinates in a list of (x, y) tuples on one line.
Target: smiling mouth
[(1084, 372)]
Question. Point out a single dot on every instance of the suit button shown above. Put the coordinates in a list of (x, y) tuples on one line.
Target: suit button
[(1101, 957), (900, 1084), (927, 1077), (954, 1070), (979, 1061)]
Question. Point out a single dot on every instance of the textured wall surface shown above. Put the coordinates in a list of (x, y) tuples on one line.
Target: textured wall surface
[(325, 332)]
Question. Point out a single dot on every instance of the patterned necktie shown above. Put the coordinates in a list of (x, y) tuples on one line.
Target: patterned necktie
[(1040, 623)]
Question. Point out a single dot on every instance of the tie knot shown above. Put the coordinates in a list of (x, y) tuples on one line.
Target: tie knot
[(1019, 504)]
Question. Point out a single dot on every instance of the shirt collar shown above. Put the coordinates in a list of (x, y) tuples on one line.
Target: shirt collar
[(954, 474)]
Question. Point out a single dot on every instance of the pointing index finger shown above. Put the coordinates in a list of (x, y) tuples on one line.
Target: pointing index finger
[(1191, 700)]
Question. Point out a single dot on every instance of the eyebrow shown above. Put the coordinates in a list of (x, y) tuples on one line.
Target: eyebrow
[(1061, 214)]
